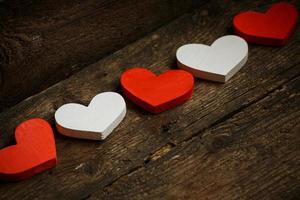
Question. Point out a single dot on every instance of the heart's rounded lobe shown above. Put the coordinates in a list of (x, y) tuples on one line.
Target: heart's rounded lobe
[(271, 28), (157, 93), (33, 153)]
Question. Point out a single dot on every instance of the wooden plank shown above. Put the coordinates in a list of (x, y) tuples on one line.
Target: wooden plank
[(252, 155), (86, 167), (43, 42)]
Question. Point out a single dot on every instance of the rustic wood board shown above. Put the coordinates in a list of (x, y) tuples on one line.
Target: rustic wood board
[(237, 140), (43, 42)]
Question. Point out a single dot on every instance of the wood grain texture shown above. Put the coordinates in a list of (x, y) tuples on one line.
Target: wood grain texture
[(237, 140), (43, 42), (252, 155)]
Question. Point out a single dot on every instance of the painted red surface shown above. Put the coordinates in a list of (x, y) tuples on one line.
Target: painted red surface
[(271, 28), (33, 153), (157, 93)]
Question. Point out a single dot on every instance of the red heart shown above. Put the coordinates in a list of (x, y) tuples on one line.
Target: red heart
[(271, 28), (157, 93), (33, 153)]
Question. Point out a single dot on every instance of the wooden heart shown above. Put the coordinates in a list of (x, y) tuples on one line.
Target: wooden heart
[(157, 93), (218, 62), (271, 28), (95, 122), (33, 153)]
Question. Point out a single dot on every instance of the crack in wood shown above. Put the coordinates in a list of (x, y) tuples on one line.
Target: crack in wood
[(281, 88), (159, 153), (212, 146), (231, 114), (141, 137), (133, 170)]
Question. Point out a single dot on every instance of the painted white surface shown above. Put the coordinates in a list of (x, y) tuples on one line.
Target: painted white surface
[(96, 122), (218, 62)]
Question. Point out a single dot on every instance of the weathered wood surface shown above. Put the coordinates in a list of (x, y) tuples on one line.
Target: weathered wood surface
[(43, 42), (238, 140)]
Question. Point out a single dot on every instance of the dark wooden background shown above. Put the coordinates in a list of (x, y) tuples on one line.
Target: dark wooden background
[(238, 140), (43, 42)]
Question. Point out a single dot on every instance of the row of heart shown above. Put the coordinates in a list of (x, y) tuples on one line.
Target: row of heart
[(35, 149)]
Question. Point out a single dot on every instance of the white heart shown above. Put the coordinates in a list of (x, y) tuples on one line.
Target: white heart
[(218, 62), (95, 122)]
